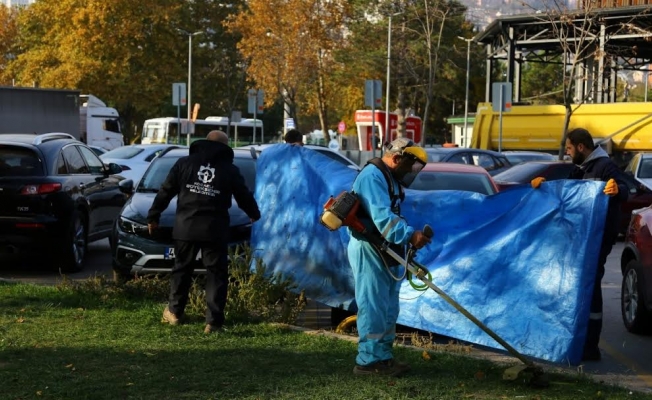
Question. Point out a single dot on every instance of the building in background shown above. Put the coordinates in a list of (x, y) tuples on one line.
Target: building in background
[(17, 3)]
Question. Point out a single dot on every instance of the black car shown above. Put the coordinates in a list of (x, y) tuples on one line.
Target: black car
[(134, 250), (526, 171), (639, 195), (491, 161), (56, 196)]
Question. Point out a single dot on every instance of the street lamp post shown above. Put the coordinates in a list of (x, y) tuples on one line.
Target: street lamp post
[(189, 103), (466, 96), (388, 130)]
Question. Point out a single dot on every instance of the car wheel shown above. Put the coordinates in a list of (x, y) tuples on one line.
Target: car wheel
[(75, 244), (632, 303)]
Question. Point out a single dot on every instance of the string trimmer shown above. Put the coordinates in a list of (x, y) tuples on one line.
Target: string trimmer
[(343, 211)]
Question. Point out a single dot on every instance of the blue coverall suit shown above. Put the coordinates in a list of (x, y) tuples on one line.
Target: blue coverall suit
[(376, 292)]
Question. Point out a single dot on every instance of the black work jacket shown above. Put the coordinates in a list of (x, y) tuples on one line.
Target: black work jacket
[(603, 169), (204, 181)]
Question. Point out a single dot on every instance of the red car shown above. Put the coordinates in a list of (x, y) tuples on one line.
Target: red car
[(636, 265), (453, 176)]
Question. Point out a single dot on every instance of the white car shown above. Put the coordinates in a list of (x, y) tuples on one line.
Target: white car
[(135, 159), (335, 155)]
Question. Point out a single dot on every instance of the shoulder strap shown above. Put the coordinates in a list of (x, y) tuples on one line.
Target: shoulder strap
[(378, 163)]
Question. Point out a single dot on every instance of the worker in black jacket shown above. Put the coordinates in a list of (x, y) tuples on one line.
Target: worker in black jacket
[(204, 182), (594, 164)]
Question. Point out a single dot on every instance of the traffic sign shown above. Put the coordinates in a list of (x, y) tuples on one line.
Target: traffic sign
[(373, 92), (341, 127), (256, 99), (179, 94), (501, 96)]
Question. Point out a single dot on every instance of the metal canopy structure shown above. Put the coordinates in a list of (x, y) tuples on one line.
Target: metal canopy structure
[(617, 39)]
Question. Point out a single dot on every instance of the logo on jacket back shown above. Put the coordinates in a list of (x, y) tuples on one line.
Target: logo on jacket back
[(203, 185), (206, 174)]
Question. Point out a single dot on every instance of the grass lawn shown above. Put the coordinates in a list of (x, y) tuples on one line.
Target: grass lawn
[(59, 343)]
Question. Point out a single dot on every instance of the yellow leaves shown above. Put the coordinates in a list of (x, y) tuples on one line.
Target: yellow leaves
[(20, 320), (425, 355), (71, 367)]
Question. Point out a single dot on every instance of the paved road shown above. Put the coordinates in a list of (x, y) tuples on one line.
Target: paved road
[(626, 357)]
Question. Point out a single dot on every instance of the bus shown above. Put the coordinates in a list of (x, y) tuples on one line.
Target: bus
[(165, 130)]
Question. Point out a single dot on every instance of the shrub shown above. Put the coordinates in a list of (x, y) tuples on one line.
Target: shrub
[(253, 294)]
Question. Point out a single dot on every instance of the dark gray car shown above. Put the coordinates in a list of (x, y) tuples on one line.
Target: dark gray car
[(134, 250)]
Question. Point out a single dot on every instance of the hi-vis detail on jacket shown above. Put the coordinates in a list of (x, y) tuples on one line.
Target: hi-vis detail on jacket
[(206, 174)]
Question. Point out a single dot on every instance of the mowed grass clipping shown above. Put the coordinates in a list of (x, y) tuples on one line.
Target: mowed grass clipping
[(56, 343)]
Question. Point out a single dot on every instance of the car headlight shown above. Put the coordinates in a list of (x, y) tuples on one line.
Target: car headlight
[(129, 226)]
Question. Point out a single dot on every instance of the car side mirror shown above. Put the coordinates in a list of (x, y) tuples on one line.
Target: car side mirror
[(113, 169), (126, 186)]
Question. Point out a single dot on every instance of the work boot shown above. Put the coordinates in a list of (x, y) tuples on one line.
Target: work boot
[(383, 368), (170, 317), (213, 328)]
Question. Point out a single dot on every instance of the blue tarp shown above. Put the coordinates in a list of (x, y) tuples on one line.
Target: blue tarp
[(522, 261)]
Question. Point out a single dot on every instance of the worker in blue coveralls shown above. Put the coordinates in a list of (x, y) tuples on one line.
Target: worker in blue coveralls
[(594, 164), (376, 290)]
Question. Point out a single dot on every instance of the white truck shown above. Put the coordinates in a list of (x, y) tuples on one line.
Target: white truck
[(37, 110), (99, 125)]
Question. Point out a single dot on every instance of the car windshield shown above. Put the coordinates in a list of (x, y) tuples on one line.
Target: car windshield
[(430, 180), (247, 167), (122, 153), (520, 173), (17, 161), (156, 174), (160, 167)]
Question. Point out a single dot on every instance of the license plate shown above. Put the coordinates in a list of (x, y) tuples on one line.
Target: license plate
[(169, 253)]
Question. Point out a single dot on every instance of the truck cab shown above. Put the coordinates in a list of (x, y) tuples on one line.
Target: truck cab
[(99, 125)]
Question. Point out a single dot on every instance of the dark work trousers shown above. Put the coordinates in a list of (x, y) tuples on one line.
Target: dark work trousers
[(595, 318), (215, 260)]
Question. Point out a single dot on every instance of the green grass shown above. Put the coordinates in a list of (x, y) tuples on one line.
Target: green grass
[(63, 343)]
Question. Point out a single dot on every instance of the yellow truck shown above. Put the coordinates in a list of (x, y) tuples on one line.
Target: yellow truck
[(618, 127)]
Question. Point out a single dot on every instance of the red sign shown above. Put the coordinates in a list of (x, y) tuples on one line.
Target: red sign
[(341, 127)]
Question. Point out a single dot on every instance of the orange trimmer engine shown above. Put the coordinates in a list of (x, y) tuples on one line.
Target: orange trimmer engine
[(342, 211)]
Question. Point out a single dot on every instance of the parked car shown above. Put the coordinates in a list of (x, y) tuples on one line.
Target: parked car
[(492, 161), (56, 196), (97, 150), (134, 250), (640, 167), (451, 176), (134, 159), (639, 195), (335, 155), (517, 157), (526, 171), (636, 267)]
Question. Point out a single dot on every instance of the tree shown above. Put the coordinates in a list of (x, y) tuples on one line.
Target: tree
[(289, 47), (8, 39)]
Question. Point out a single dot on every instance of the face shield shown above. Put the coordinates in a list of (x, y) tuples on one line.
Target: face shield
[(413, 159)]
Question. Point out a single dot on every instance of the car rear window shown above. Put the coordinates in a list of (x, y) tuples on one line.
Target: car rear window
[(520, 172), (123, 153), (18, 161), (478, 183), (434, 156)]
